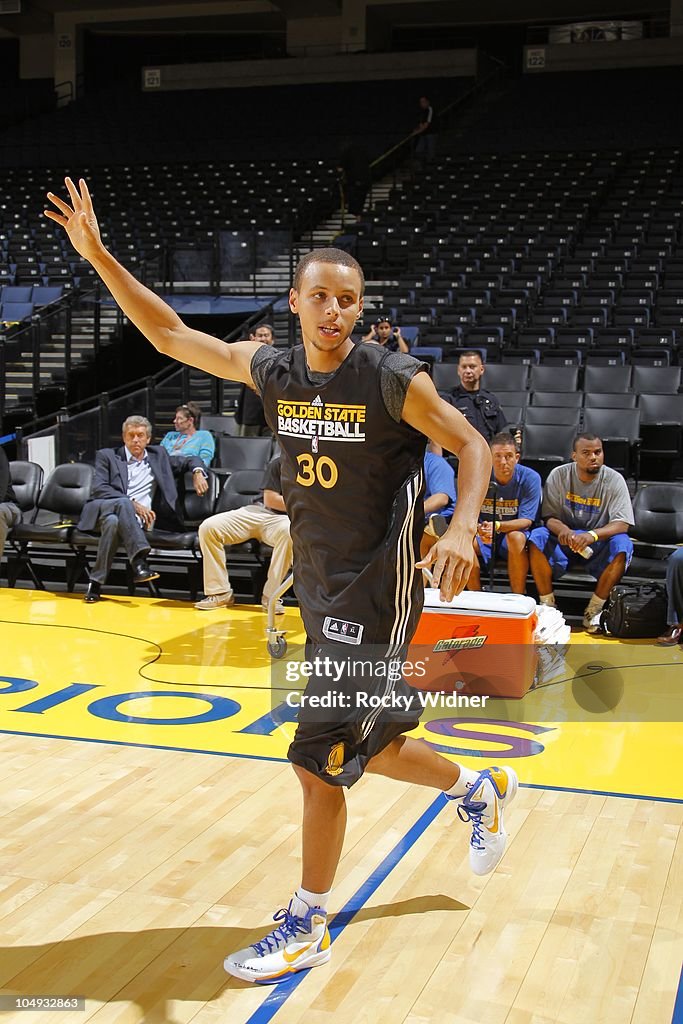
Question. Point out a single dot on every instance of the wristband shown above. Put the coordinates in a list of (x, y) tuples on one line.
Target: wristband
[(594, 535), (498, 525)]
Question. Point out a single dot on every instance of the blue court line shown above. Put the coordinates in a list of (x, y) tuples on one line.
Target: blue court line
[(678, 1005), (144, 746), (285, 760), (284, 989), (603, 792)]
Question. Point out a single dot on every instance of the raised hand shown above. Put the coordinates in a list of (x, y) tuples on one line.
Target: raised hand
[(78, 220)]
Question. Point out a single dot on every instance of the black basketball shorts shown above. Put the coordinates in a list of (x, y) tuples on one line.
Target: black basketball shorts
[(348, 717)]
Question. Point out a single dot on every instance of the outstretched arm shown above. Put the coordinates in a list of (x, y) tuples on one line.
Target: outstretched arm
[(453, 555), (150, 314)]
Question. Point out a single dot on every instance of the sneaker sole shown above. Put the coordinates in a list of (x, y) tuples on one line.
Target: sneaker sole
[(317, 960)]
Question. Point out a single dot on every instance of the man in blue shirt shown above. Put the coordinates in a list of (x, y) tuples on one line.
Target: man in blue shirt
[(518, 500), (439, 499)]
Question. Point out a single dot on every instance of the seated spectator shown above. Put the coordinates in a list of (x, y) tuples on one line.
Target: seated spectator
[(10, 514), (385, 334), (249, 415), (517, 505), (674, 593), (131, 485), (439, 498), (585, 505), (481, 408), (266, 521), (186, 439)]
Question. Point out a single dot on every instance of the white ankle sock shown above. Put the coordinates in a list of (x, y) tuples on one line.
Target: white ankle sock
[(304, 900), (595, 605), (547, 599), (466, 780)]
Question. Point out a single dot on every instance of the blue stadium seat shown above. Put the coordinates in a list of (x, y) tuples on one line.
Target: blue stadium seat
[(14, 312), (43, 295)]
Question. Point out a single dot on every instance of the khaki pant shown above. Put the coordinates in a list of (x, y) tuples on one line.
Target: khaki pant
[(9, 517), (253, 522)]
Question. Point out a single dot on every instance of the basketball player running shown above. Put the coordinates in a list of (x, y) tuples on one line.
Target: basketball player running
[(356, 519)]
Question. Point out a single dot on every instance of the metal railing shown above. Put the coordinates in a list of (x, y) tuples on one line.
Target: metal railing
[(393, 158), (82, 428), (28, 346)]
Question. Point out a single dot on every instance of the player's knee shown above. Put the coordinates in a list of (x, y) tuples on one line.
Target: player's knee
[(313, 786), (379, 762), (516, 541)]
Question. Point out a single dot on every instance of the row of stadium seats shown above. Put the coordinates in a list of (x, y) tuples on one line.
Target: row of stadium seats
[(48, 536), (612, 380), (52, 507)]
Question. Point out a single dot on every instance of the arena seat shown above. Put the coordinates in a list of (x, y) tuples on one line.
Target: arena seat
[(65, 492)]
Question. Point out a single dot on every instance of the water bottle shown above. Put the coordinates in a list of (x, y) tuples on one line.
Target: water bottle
[(586, 552)]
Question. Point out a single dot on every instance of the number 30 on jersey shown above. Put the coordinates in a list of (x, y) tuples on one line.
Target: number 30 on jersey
[(323, 470)]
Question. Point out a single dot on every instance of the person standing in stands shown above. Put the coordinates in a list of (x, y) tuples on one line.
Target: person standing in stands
[(351, 421), (385, 334), (356, 178), (186, 439), (425, 136), (10, 513), (249, 416), (481, 408)]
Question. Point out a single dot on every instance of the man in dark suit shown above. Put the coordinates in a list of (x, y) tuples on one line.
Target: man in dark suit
[(10, 514), (133, 485)]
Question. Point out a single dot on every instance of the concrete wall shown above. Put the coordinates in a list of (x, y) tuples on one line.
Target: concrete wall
[(66, 25), (298, 71), (313, 36), (37, 56), (640, 53)]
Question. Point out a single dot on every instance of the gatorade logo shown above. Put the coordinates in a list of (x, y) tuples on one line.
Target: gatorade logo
[(464, 643)]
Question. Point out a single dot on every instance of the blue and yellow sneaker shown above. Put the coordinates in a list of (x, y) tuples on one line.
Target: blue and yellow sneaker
[(295, 945), (483, 808)]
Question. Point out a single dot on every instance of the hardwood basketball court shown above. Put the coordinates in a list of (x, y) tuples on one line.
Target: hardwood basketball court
[(150, 827)]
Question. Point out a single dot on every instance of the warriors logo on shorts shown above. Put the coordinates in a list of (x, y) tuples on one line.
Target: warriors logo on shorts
[(335, 760)]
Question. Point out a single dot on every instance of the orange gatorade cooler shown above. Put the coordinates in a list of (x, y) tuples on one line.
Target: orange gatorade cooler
[(477, 643)]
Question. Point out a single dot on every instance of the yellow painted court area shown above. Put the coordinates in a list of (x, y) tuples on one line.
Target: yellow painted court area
[(135, 852), (161, 674)]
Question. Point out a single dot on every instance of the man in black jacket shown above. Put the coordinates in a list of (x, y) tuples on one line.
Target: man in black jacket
[(479, 407), (132, 484), (249, 413), (10, 514)]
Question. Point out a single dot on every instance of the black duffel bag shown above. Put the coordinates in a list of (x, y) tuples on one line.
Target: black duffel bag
[(635, 612)]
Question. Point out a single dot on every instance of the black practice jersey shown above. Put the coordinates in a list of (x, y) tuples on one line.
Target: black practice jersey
[(353, 483)]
